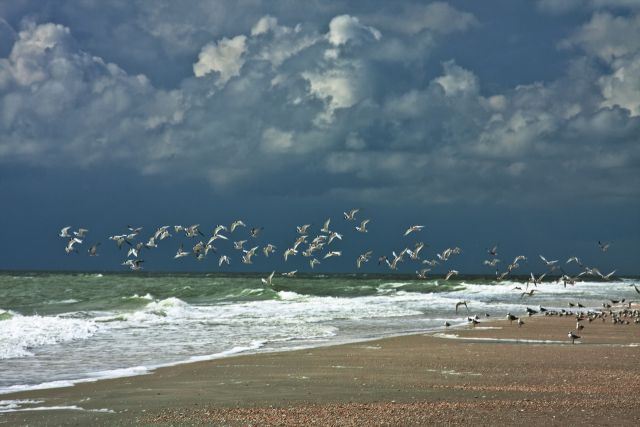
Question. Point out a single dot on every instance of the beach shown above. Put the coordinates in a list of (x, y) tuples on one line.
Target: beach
[(493, 374)]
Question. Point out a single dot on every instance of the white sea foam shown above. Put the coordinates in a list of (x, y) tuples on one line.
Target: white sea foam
[(20, 334)]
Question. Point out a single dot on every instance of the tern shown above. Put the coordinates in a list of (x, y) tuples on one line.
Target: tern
[(72, 241), (246, 258), (607, 276), (450, 274), (93, 250), (65, 232), (529, 293), (120, 239), (413, 228), (325, 227), (574, 259), (255, 231), (239, 245), (415, 254), (181, 252), (459, 303), (351, 215), (362, 228), (491, 263), (193, 231), (332, 254), (363, 258), (333, 235), (535, 281), (134, 230), (548, 263), (269, 249), (493, 251), (302, 229), (288, 252), (224, 259), (422, 274), (313, 262), (603, 246), (290, 273), (81, 232), (268, 280), (236, 224)]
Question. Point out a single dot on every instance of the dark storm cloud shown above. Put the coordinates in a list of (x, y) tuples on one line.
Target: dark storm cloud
[(348, 100)]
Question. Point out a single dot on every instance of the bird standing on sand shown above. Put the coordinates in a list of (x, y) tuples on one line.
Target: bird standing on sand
[(511, 318), (573, 337)]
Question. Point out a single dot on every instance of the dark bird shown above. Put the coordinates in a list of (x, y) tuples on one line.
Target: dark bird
[(511, 318), (573, 337)]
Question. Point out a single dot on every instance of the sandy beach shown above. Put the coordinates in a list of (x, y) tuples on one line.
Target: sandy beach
[(494, 374)]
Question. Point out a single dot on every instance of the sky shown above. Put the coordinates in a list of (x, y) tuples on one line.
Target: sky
[(504, 122)]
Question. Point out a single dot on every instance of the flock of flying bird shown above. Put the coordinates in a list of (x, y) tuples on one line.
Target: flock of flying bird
[(318, 247), (315, 248)]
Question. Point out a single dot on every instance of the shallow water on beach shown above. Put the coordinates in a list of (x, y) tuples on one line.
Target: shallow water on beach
[(60, 328)]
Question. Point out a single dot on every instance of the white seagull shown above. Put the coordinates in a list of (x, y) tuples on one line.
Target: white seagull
[(351, 215), (362, 228), (413, 228)]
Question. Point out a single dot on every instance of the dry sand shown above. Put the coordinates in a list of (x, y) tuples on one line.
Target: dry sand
[(459, 377)]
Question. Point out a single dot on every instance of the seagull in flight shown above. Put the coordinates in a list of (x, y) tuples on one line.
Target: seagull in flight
[(574, 259), (181, 253), (332, 254), (80, 233), (302, 229), (413, 228), (224, 259), (459, 303), (236, 224), (255, 231), (363, 258), (65, 232), (313, 262), (450, 274), (362, 228), (269, 249), (493, 251), (325, 227), (93, 250), (268, 280), (290, 273), (238, 245), (603, 246), (351, 215), (548, 263)]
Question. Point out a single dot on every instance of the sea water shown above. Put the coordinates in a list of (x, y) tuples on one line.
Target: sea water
[(57, 329)]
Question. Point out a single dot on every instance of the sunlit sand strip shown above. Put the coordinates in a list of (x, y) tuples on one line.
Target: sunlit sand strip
[(524, 341)]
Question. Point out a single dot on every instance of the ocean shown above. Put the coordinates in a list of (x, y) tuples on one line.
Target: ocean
[(57, 329)]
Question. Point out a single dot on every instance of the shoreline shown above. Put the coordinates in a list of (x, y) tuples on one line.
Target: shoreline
[(421, 377)]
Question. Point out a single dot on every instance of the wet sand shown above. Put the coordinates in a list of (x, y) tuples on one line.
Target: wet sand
[(494, 374)]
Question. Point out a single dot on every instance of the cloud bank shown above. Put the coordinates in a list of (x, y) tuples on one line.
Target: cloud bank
[(347, 105)]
